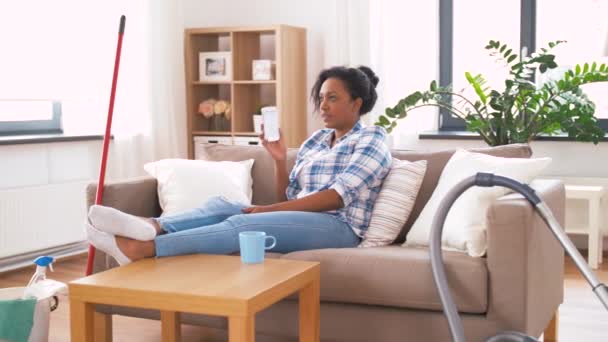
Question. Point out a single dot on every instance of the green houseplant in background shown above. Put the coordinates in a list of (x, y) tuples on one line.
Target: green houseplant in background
[(523, 110)]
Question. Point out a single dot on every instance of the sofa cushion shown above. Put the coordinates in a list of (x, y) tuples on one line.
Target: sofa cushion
[(436, 161), (264, 182), (361, 276), (394, 202), (465, 227), (186, 184)]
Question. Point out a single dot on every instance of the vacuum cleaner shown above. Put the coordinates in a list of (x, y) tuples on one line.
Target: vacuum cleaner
[(490, 180)]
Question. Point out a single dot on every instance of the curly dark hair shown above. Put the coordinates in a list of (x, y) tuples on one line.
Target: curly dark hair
[(360, 83)]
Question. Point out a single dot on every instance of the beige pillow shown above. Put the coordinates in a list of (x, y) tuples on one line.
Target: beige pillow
[(185, 184), (465, 226), (395, 202)]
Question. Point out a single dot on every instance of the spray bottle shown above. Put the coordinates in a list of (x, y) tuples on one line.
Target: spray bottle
[(39, 286), (42, 263)]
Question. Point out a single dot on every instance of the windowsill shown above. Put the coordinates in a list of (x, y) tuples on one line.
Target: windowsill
[(466, 135), (47, 138)]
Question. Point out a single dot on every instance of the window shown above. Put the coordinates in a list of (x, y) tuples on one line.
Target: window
[(469, 33), (57, 62), (528, 23), (586, 36), (30, 117)]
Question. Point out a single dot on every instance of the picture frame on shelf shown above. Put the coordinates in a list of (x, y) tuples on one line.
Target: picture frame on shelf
[(262, 70), (215, 66)]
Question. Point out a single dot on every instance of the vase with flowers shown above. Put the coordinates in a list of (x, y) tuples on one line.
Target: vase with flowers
[(218, 112)]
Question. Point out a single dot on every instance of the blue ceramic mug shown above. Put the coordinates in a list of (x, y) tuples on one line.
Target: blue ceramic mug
[(253, 246)]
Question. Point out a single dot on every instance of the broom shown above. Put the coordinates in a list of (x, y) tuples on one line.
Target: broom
[(106, 138)]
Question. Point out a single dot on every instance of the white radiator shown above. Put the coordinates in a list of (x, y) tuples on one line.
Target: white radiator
[(42, 217)]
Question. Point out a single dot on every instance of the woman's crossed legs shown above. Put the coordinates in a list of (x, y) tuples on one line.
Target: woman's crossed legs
[(214, 228)]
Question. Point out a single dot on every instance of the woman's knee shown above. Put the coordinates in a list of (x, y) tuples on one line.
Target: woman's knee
[(239, 220), (215, 202), (220, 205)]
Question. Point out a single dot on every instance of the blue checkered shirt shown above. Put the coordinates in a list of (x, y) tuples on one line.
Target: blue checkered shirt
[(355, 168)]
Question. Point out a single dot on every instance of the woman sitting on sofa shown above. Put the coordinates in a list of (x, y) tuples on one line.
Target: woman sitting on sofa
[(325, 202)]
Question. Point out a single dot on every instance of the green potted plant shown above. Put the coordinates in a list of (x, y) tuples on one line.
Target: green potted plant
[(523, 110)]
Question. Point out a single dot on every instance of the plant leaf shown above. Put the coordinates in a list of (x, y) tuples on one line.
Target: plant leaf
[(383, 120), (474, 82)]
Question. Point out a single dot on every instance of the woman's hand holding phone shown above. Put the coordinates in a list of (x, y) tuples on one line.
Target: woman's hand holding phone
[(277, 149)]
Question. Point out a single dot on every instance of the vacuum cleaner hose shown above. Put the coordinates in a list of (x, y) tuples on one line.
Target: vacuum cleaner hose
[(489, 180)]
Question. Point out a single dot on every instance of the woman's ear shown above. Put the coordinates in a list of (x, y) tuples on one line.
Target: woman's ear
[(357, 103)]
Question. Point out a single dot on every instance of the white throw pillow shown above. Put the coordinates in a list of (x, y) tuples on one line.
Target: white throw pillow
[(465, 226), (185, 184), (395, 202)]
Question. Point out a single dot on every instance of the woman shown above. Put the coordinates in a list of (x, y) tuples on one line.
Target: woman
[(325, 202)]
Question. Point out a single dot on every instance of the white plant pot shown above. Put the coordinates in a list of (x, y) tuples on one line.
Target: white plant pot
[(257, 123)]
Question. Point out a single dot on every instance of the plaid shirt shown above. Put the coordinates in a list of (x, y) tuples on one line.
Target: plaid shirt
[(355, 168)]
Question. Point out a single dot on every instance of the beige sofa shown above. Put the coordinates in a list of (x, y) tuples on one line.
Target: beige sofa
[(387, 293)]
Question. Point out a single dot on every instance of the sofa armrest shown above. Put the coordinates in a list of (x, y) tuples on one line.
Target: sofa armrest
[(525, 261), (136, 196)]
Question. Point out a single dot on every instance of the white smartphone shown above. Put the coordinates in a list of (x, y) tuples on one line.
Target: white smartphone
[(270, 118)]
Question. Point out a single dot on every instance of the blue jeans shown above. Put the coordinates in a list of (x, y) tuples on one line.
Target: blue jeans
[(214, 229)]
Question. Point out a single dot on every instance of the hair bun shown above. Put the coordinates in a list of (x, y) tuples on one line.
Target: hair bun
[(370, 74)]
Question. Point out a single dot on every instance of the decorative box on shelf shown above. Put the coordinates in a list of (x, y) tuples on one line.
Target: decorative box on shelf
[(247, 141), (210, 139), (263, 70), (200, 142)]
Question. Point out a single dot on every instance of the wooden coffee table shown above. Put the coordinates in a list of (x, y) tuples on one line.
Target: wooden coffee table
[(217, 285)]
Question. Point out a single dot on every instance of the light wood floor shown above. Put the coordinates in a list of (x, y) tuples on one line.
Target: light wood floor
[(582, 316)]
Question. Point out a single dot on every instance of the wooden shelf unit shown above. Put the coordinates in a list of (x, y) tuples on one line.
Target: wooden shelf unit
[(286, 45)]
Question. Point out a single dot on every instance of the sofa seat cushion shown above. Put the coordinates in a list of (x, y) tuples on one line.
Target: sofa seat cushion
[(397, 276)]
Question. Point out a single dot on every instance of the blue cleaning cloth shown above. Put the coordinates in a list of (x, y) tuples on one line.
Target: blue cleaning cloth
[(16, 319)]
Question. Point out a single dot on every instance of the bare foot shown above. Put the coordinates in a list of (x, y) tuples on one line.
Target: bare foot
[(135, 249)]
